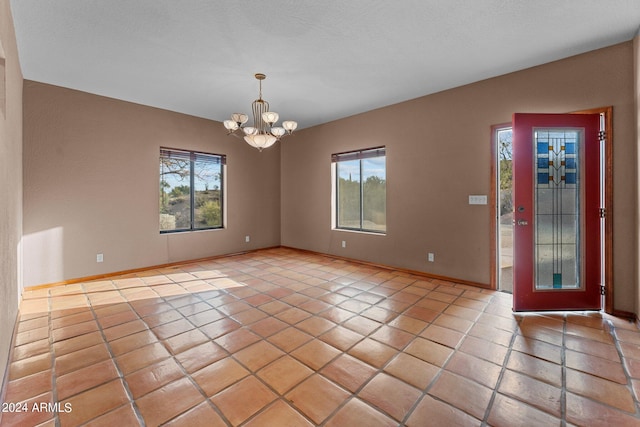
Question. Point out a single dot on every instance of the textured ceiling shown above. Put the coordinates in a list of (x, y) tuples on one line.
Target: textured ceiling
[(323, 59)]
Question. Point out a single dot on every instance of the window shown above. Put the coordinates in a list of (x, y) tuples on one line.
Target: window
[(361, 190), (190, 190)]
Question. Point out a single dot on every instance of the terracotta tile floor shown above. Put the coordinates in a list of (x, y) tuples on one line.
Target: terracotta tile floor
[(287, 338)]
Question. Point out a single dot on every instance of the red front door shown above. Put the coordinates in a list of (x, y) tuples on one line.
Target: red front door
[(556, 166)]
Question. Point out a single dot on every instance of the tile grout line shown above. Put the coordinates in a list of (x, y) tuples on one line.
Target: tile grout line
[(148, 328), (172, 356), (381, 370), (178, 364), (618, 347), (441, 369), (503, 369), (282, 397), (288, 353), (232, 355), (121, 375), (353, 395), (54, 389)]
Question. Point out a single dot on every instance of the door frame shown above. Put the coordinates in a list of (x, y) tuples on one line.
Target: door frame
[(608, 204)]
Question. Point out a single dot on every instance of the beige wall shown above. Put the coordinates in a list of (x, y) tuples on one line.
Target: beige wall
[(636, 72), (438, 153), (91, 186), (10, 184)]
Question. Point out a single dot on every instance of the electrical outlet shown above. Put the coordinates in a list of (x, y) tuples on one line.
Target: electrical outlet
[(430, 257), (344, 243), (247, 239), (99, 257)]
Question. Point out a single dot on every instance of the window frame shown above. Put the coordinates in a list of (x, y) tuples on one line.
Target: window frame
[(193, 157), (360, 155)]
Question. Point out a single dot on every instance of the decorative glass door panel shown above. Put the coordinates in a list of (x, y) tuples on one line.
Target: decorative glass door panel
[(557, 211), (556, 161)]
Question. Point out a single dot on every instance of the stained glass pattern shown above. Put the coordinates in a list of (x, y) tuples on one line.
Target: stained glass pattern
[(557, 210)]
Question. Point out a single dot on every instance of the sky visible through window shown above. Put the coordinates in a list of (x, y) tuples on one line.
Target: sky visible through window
[(207, 177), (350, 170)]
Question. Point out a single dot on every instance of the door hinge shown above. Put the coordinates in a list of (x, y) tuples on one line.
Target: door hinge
[(602, 136), (601, 289), (603, 212)]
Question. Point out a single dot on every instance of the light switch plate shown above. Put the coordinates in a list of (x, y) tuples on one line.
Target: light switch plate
[(478, 199)]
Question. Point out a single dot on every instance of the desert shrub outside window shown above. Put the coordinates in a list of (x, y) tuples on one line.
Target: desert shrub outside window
[(191, 190), (361, 190)]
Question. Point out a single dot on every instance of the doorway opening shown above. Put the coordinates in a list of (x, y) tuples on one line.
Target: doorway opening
[(504, 187), (502, 226)]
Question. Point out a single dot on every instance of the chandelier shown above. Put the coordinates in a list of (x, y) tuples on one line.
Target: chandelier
[(263, 133)]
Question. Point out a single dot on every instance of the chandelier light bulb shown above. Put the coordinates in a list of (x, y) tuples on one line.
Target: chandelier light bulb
[(260, 140), (231, 125), (270, 117), (278, 132), (289, 125), (239, 118)]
